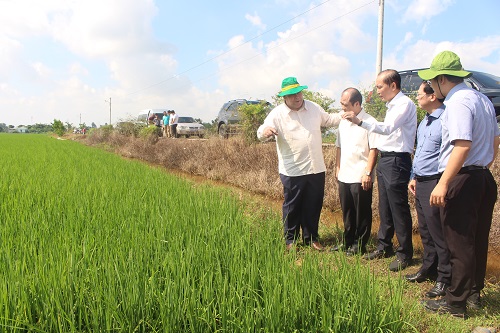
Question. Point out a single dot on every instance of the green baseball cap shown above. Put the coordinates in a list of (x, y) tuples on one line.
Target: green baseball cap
[(447, 63), (290, 86)]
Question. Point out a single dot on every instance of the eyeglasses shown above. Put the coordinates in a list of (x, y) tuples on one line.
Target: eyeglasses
[(419, 96)]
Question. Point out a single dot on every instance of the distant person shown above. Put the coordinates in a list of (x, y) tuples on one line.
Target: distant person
[(166, 123), (466, 192), (156, 121), (425, 176), (296, 125), (173, 123), (393, 172), (356, 159)]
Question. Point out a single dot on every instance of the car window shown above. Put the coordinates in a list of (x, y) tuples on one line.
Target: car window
[(186, 120), (487, 80), (410, 83)]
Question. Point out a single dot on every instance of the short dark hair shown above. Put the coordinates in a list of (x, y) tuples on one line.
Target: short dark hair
[(427, 87), (390, 76), (354, 95)]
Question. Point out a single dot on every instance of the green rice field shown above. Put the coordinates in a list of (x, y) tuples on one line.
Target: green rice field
[(90, 242)]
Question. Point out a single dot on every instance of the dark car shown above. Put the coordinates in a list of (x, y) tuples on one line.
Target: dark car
[(228, 118), (487, 84)]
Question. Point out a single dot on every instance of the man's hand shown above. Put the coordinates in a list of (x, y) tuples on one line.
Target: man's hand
[(351, 116), (269, 132), (412, 185), (438, 195), (366, 182)]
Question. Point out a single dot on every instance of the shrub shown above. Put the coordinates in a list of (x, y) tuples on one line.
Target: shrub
[(150, 133), (129, 128), (58, 127), (252, 116)]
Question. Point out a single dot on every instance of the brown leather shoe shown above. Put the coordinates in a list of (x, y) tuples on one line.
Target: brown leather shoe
[(317, 246)]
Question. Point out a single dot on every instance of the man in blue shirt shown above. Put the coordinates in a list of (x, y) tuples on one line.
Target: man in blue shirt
[(466, 192), (425, 176)]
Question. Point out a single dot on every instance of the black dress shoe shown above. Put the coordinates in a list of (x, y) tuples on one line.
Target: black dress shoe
[(440, 306), (474, 301), (418, 277), (439, 289), (378, 254), (398, 265)]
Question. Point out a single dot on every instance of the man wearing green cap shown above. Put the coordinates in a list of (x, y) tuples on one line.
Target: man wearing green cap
[(466, 192), (296, 125)]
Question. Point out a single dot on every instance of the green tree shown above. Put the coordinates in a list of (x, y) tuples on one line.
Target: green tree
[(40, 128), (58, 127), (252, 116)]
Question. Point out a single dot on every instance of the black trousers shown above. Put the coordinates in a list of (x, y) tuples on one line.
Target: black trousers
[(173, 129), (356, 205), (466, 220), (393, 175), (302, 206), (436, 256)]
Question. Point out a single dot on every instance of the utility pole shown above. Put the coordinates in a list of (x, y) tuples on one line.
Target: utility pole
[(380, 35), (109, 109)]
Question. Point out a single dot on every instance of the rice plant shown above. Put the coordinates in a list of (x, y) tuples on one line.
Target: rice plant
[(94, 243)]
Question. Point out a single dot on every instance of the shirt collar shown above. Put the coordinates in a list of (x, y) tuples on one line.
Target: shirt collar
[(395, 98), (437, 113), (456, 88)]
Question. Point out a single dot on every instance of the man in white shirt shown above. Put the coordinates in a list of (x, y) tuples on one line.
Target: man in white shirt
[(174, 118), (393, 172), (355, 160), (296, 125)]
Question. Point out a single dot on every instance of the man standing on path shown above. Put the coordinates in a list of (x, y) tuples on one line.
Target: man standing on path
[(425, 176), (393, 172), (466, 192), (173, 123), (356, 159), (296, 125)]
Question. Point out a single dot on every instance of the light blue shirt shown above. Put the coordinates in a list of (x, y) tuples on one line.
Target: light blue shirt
[(425, 162), (470, 116)]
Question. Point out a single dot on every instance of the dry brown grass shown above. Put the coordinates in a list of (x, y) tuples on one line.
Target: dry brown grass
[(253, 168)]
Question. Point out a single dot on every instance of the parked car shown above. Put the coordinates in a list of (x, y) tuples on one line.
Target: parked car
[(228, 118), (187, 126), (487, 84)]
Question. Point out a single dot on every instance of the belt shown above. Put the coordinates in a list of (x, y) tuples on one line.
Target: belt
[(393, 153), (425, 178), (472, 168)]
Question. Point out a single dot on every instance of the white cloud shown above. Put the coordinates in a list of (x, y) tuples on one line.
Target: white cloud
[(424, 10), (256, 21)]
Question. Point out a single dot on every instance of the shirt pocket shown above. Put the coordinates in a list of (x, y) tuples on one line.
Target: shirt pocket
[(432, 142)]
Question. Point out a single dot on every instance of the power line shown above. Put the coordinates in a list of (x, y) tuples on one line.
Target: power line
[(269, 49), (228, 51)]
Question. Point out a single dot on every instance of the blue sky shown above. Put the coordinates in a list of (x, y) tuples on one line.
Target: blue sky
[(63, 59)]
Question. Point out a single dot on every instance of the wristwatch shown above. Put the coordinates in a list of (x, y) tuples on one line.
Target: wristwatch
[(368, 173)]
